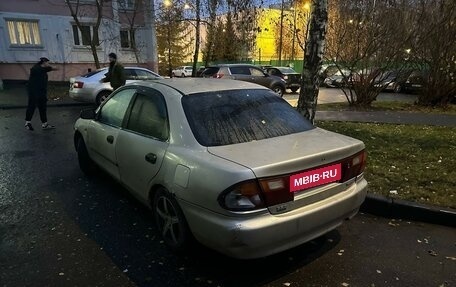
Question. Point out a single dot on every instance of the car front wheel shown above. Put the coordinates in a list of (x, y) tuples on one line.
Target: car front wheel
[(278, 90), (170, 220), (86, 164)]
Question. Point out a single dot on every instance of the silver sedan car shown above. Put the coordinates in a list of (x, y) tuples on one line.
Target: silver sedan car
[(225, 162), (89, 88)]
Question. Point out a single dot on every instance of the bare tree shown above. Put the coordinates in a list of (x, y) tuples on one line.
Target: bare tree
[(315, 46), (433, 50), (367, 41), (80, 9)]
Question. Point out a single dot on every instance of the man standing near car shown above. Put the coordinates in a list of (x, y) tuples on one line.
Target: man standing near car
[(37, 93), (116, 74)]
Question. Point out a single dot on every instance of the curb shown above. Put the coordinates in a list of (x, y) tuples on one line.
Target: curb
[(13, 107), (397, 208)]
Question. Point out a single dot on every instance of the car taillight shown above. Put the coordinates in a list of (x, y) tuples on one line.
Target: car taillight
[(243, 196), (78, 85), (353, 165), (276, 190)]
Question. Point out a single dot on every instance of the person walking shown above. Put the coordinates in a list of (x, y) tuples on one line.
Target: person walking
[(116, 74), (37, 93)]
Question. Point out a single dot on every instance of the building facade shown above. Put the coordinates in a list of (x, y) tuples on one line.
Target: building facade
[(30, 29)]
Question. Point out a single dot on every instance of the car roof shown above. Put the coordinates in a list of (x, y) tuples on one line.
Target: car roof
[(190, 86)]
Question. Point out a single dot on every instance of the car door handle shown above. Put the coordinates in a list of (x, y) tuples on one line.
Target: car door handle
[(110, 139), (151, 157)]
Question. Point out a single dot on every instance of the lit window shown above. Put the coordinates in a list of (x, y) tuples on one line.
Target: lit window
[(24, 32), (83, 35)]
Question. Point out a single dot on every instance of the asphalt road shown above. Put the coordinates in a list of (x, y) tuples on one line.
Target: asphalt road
[(59, 228)]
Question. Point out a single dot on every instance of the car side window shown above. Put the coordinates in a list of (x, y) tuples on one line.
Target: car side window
[(130, 74), (113, 111), (273, 72), (149, 116), (256, 72), (144, 75), (240, 70)]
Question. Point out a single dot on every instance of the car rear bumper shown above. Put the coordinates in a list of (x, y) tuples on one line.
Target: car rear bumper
[(264, 234), (81, 96)]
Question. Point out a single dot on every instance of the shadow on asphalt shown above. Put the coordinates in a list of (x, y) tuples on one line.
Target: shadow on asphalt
[(124, 229)]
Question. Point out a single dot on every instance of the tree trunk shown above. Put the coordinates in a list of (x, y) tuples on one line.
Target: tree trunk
[(315, 45), (197, 37)]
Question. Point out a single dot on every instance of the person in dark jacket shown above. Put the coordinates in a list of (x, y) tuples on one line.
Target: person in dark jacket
[(37, 93), (115, 75)]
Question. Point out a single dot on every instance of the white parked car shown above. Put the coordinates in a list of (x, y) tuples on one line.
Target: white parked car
[(226, 162), (89, 88), (182, 71)]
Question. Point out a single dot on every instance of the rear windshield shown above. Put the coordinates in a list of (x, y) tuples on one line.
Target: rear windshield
[(237, 116), (210, 71)]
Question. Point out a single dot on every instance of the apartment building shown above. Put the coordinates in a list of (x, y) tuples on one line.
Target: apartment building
[(30, 29)]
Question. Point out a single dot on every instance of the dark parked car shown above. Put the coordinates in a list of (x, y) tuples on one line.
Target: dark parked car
[(393, 81), (414, 82), (247, 73), (291, 77)]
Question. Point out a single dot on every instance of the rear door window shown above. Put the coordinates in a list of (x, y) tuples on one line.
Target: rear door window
[(130, 74), (240, 70), (237, 116), (148, 115)]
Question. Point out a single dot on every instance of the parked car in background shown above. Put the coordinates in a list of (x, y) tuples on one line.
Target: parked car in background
[(200, 70), (392, 81), (182, 71), (339, 79), (208, 160), (89, 88), (414, 82), (247, 73), (291, 77)]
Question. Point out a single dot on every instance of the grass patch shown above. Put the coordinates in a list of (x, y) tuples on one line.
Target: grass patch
[(389, 106), (418, 162)]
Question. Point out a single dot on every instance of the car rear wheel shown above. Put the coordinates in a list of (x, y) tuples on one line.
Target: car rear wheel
[(102, 96), (183, 75), (294, 90), (397, 88), (278, 90), (86, 164), (170, 220)]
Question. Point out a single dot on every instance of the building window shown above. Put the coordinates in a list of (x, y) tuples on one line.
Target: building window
[(127, 38), (83, 36), (24, 32), (127, 4)]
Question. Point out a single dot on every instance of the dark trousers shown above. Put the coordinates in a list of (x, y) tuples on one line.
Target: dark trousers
[(34, 102)]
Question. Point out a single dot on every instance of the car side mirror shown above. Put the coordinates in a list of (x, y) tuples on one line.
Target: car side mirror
[(88, 114)]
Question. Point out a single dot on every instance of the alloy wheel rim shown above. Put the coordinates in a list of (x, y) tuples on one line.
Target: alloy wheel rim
[(169, 223)]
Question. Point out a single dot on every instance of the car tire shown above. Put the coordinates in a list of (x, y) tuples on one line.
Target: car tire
[(86, 164), (170, 221), (183, 75), (398, 88), (173, 75), (101, 97), (278, 90), (294, 90)]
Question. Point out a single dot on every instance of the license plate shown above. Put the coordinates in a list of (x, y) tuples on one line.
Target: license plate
[(315, 177)]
